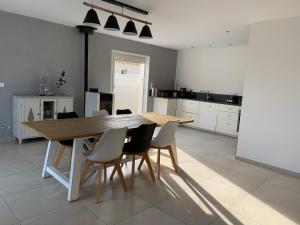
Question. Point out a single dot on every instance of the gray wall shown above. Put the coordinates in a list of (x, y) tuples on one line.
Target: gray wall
[(31, 48), (162, 61)]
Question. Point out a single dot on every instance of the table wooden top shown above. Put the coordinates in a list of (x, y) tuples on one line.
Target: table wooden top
[(58, 130)]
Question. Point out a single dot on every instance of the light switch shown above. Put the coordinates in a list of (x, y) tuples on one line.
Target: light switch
[(1, 85)]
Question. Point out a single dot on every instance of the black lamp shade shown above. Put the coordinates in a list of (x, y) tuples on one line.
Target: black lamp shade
[(112, 23), (146, 33), (91, 18), (130, 28)]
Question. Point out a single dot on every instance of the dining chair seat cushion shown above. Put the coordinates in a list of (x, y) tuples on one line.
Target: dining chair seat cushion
[(109, 147), (68, 143), (140, 139), (67, 115), (166, 135)]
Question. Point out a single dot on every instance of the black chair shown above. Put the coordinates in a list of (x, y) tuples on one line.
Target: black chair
[(65, 143), (139, 145), (123, 111)]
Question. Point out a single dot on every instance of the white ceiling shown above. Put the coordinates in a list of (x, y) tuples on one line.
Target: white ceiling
[(177, 24)]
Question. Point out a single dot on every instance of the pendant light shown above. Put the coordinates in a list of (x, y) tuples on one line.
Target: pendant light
[(112, 23), (146, 33), (91, 18), (130, 28)]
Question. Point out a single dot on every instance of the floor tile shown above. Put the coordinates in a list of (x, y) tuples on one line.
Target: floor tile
[(115, 204), (150, 216), (287, 182), (28, 204), (263, 213), (278, 197), (6, 217), (74, 214), (21, 182), (15, 166)]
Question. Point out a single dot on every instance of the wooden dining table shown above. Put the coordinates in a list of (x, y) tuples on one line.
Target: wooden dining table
[(79, 129)]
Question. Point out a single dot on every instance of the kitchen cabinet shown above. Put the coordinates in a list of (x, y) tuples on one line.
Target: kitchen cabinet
[(35, 108), (228, 119), (164, 106), (215, 117), (207, 116)]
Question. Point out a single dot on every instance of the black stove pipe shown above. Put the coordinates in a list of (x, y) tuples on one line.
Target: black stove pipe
[(86, 30)]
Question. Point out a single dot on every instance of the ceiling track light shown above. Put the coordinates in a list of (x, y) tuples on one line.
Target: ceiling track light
[(112, 23), (91, 18)]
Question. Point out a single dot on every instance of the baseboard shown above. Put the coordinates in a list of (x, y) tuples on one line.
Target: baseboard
[(267, 166)]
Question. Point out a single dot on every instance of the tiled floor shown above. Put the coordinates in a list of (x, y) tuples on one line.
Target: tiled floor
[(210, 188)]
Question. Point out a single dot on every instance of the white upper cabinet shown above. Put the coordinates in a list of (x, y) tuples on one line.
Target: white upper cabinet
[(207, 116)]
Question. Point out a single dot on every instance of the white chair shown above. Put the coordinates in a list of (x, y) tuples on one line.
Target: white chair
[(102, 112), (107, 151), (164, 140)]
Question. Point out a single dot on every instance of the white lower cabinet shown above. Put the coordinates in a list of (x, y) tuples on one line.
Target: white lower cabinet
[(210, 116), (207, 116), (191, 116), (164, 106), (34, 108), (227, 126)]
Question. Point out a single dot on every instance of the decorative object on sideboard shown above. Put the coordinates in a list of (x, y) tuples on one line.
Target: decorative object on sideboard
[(44, 89), (60, 82), (91, 19)]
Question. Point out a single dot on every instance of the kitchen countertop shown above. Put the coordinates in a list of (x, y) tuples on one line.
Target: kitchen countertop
[(200, 100)]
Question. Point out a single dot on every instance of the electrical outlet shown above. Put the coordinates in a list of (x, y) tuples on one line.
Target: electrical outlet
[(1, 85)]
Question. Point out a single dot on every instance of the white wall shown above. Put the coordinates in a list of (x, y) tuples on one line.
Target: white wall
[(219, 70), (270, 121)]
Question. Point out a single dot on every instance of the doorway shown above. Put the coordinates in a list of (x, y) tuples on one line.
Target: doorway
[(130, 81)]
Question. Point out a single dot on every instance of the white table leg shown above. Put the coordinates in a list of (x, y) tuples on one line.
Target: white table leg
[(174, 150), (48, 158), (73, 189)]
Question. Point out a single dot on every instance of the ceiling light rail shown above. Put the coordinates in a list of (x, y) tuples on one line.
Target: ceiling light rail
[(116, 13)]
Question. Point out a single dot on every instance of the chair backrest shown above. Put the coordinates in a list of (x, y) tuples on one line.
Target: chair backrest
[(102, 112), (109, 146), (67, 115), (123, 111), (166, 134), (140, 138)]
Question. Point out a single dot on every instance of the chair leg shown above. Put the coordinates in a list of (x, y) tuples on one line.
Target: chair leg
[(158, 163), (58, 156), (120, 173), (141, 163), (105, 171), (98, 184), (132, 170), (115, 170), (169, 147), (146, 156), (87, 165)]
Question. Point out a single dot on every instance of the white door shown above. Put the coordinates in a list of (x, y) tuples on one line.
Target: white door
[(64, 105), (130, 81), (207, 116), (31, 112)]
